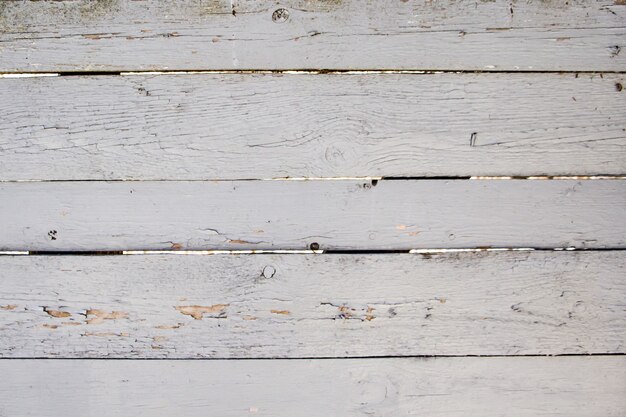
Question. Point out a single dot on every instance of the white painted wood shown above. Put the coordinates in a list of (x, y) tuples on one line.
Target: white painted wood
[(295, 306), (455, 387), (223, 34), (209, 126), (294, 214)]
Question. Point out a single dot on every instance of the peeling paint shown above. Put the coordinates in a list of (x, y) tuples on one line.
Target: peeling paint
[(57, 313), (105, 334), (169, 326), (241, 242), (197, 311), (101, 316)]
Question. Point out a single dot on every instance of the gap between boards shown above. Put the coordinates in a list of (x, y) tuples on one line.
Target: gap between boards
[(310, 358), (374, 180), (309, 71), (433, 251)]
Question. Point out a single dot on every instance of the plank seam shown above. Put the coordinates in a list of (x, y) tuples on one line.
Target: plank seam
[(314, 357), (374, 180), (312, 71), (301, 252)]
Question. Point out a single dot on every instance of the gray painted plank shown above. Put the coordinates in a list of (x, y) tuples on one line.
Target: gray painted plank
[(190, 34), (296, 306), (344, 214), (451, 387), (231, 126)]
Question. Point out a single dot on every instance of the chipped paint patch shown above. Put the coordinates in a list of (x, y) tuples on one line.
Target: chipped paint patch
[(57, 313), (197, 311), (101, 316), (284, 312), (8, 307), (242, 242), (105, 334), (169, 326)]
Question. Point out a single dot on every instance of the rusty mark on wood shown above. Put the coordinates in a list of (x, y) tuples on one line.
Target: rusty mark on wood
[(345, 312)]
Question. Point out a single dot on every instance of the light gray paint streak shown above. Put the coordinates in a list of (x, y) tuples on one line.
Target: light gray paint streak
[(295, 214), (454, 387), (294, 306), (355, 34), (268, 126)]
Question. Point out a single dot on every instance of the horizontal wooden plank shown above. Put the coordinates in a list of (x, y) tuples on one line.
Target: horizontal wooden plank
[(71, 35), (346, 214), (296, 306), (228, 126), (482, 387)]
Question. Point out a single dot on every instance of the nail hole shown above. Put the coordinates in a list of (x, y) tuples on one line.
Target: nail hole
[(280, 15), (315, 246), (268, 271)]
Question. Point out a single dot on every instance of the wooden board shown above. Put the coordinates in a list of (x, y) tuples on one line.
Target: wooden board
[(456, 387), (68, 216), (115, 35), (298, 306), (229, 126)]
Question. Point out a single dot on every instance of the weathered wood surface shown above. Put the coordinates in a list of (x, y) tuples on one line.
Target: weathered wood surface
[(455, 387), (295, 306), (356, 34), (295, 214), (231, 126)]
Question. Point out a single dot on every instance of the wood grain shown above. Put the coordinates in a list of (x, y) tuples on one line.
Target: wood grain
[(70, 216), (456, 387), (113, 35), (298, 306), (228, 126)]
